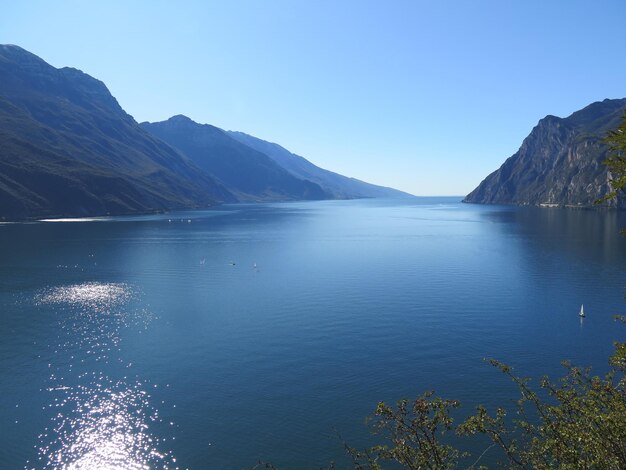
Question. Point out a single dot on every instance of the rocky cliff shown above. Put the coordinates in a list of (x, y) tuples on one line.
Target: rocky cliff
[(559, 163)]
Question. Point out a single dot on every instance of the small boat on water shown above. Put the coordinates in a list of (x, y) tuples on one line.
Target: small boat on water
[(582, 311)]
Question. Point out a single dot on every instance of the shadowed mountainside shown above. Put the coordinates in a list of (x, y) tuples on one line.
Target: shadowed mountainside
[(68, 149)]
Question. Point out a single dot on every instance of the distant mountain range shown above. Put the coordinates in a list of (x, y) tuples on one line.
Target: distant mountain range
[(256, 170), (334, 184), (559, 163), (249, 174), (67, 148)]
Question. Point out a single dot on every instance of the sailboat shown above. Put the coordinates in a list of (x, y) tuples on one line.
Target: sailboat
[(582, 312)]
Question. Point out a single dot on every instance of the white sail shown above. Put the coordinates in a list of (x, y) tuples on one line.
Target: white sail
[(582, 311)]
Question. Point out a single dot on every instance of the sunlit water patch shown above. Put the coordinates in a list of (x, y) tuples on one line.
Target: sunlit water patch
[(93, 316), (94, 295), (99, 421)]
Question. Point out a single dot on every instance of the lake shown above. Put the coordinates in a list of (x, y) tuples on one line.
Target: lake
[(213, 339)]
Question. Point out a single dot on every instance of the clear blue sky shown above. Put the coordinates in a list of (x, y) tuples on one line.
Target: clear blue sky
[(425, 96)]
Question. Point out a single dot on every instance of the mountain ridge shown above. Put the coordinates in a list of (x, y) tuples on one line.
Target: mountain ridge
[(249, 174), (69, 149), (340, 186)]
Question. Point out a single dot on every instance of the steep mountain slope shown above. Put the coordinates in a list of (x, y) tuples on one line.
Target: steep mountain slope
[(559, 163), (68, 149), (338, 186), (249, 174)]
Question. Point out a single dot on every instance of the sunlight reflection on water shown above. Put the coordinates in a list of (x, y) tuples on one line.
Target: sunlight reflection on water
[(95, 295), (103, 426), (100, 422)]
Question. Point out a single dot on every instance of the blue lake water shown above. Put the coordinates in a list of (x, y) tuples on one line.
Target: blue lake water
[(212, 339)]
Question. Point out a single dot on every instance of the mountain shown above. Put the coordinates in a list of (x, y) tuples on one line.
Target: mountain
[(559, 163), (338, 186), (67, 148), (247, 173)]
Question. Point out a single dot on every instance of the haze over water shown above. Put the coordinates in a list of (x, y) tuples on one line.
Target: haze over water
[(210, 339)]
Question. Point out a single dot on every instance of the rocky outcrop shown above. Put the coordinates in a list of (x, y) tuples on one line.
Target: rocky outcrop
[(559, 163)]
